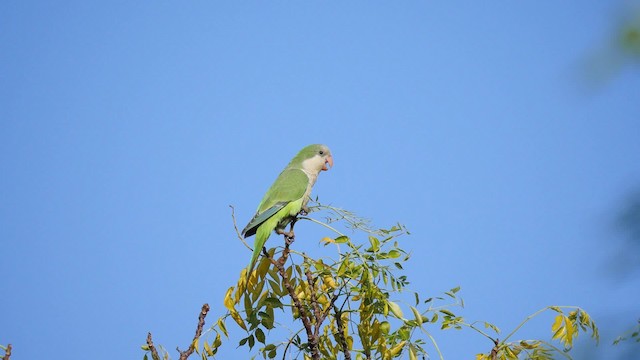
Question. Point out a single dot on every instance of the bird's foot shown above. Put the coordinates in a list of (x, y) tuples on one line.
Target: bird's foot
[(288, 235), (304, 211), (289, 238)]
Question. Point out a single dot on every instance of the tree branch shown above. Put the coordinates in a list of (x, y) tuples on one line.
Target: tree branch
[(152, 348), (317, 314), (494, 351), (203, 313), (7, 353), (279, 264), (340, 335)]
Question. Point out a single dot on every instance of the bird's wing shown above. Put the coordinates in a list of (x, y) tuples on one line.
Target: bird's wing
[(290, 185)]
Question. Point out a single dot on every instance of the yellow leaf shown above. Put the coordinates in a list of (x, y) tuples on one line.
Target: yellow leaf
[(416, 314), (396, 349), (228, 301), (242, 285), (328, 280), (557, 323), (412, 353), (207, 349), (217, 342), (223, 327), (572, 331), (195, 345), (349, 343), (327, 240), (385, 327), (238, 319), (395, 309), (263, 267)]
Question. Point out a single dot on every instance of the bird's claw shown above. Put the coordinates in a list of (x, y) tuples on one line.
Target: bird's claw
[(304, 211), (287, 234), (289, 238)]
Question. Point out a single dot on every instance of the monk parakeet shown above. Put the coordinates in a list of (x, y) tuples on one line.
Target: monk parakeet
[(287, 196)]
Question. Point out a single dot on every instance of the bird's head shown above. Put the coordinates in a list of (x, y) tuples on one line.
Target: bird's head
[(316, 158)]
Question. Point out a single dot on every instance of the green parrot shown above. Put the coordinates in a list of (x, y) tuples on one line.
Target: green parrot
[(287, 197)]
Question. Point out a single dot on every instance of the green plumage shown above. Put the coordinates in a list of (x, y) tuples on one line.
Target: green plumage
[(287, 196)]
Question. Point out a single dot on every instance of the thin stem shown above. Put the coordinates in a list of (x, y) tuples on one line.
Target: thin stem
[(435, 344), (532, 316), (235, 226), (341, 339), (323, 224)]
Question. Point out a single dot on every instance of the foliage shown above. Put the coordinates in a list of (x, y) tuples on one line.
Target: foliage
[(633, 334), (354, 304)]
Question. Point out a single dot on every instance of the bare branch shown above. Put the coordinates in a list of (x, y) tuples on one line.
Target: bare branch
[(7, 353), (152, 348), (235, 226), (203, 313)]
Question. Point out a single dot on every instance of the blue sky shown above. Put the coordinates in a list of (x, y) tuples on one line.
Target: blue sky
[(126, 130)]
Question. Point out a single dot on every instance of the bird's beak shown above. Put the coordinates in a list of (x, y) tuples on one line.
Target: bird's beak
[(330, 161)]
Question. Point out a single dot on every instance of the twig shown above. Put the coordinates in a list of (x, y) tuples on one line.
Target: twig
[(317, 314), (7, 353), (494, 351), (152, 348), (341, 339), (203, 313), (324, 315), (235, 226)]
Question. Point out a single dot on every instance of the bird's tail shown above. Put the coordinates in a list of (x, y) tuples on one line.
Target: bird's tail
[(262, 234)]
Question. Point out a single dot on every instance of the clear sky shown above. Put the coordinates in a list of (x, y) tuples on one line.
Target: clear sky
[(128, 128)]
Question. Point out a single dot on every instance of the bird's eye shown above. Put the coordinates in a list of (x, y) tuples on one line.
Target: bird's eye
[(321, 152)]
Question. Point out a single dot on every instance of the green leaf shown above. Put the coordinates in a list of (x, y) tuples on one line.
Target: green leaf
[(447, 312), (341, 239), (243, 341), (259, 335), (395, 309), (375, 243), (394, 254), (272, 354), (416, 314), (273, 302)]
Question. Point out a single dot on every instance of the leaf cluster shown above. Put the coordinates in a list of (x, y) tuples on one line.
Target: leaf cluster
[(355, 304)]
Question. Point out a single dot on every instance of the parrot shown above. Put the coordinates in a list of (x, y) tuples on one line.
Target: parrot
[(287, 197)]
